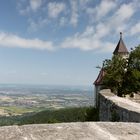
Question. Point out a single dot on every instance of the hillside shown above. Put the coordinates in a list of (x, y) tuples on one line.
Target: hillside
[(80, 114)]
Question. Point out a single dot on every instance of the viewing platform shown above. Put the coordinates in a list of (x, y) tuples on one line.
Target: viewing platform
[(73, 131)]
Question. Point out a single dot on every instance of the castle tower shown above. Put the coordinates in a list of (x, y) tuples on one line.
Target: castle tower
[(119, 50), (98, 85)]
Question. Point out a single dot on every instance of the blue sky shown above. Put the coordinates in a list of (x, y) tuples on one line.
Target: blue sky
[(60, 42)]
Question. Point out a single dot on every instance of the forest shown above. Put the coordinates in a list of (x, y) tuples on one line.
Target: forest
[(79, 114)]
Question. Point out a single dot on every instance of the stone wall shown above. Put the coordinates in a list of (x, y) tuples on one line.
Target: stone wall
[(73, 131), (114, 108)]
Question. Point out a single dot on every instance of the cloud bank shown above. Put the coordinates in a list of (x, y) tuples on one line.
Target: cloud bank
[(102, 20), (11, 40)]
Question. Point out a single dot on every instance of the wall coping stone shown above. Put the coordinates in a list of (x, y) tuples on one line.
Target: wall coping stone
[(73, 131), (120, 101)]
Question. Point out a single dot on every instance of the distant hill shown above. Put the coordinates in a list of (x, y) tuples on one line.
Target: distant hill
[(80, 114)]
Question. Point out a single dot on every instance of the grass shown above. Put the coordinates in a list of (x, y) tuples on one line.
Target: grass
[(15, 110)]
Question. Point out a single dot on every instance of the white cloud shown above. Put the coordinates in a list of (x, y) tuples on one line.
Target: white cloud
[(35, 25), (102, 9), (107, 47), (10, 40), (83, 3), (90, 39), (81, 43), (74, 12), (124, 12), (93, 38), (87, 44), (27, 6), (35, 4), (109, 16), (63, 21), (55, 8), (120, 19), (135, 29), (24, 11)]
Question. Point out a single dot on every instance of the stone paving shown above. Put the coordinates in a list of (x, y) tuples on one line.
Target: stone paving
[(73, 131)]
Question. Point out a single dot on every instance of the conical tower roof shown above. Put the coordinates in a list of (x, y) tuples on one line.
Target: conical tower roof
[(99, 79), (120, 48)]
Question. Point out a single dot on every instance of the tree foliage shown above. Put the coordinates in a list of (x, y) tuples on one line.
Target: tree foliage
[(132, 77), (79, 114), (115, 70), (122, 76)]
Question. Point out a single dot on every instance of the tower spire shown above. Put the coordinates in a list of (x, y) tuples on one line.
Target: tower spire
[(120, 35), (121, 48)]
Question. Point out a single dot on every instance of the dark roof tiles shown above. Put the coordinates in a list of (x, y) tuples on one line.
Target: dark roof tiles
[(120, 48), (99, 79)]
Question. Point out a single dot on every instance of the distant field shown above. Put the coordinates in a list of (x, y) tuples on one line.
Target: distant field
[(13, 110), (17, 100), (21, 105), (16, 110)]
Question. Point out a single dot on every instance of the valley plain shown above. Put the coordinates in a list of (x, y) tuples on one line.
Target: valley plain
[(20, 99)]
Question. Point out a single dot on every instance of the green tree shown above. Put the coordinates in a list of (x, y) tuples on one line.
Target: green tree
[(132, 77), (122, 76), (115, 70)]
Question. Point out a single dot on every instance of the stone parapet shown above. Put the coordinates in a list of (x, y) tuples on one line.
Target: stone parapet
[(72, 131), (114, 108)]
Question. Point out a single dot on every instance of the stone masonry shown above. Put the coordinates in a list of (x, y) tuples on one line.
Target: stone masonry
[(72, 131), (114, 108)]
